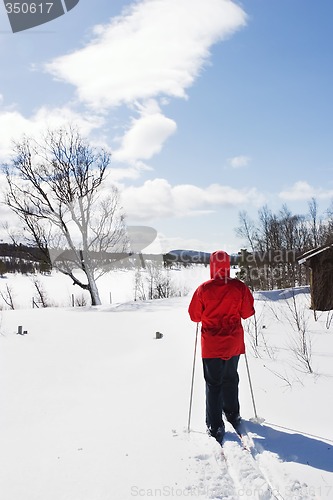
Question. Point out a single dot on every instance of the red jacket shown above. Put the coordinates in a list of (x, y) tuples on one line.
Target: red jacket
[(220, 304)]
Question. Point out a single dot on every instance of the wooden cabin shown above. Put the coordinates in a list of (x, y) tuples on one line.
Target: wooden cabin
[(320, 261)]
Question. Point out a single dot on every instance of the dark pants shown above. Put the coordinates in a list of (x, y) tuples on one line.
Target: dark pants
[(222, 380)]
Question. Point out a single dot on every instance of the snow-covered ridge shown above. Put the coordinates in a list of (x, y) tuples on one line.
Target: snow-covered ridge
[(281, 294)]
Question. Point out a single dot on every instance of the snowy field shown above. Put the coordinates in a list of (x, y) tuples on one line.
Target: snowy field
[(93, 407)]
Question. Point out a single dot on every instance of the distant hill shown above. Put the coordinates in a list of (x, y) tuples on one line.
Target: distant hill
[(195, 257)]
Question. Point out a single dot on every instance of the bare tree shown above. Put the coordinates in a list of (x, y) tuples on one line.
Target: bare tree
[(55, 187), (139, 286), (7, 296), (246, 229), (301, 344), (154, 282), (313, 211), (41, 295), (327, 227)]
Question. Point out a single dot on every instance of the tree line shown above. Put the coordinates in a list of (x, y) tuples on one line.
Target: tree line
[(274, 241), (22, 259)]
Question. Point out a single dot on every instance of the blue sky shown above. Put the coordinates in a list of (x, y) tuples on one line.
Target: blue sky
[(209, 108)]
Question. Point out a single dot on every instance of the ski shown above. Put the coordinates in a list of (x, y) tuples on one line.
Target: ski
[(222, 454), (241, 433)]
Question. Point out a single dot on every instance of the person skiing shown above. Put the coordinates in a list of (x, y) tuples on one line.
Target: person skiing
[(220, 304)]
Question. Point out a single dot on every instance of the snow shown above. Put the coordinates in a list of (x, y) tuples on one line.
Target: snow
[(94, 407)]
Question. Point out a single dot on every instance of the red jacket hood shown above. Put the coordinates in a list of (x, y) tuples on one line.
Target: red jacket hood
[(219, 265)]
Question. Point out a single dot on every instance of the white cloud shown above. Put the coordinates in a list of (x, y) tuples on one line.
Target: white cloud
[(153, 199), (302, 190), (155, 48), (14, 125), (157, 198), (120, 174), (145, 138), (239, 161)]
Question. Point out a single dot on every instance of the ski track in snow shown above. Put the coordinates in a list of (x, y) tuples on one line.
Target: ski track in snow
[(238, 471), (208, 464), (268, 484), (266, 462)]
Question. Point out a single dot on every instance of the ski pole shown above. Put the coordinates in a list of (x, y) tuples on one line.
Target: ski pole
[(257, 419), (192, 383)]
